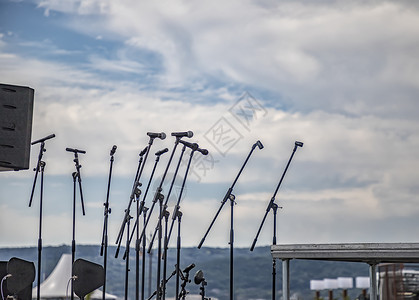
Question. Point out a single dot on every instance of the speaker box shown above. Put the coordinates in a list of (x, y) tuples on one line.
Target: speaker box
[(16, 110), (24, 294), (90, 276)]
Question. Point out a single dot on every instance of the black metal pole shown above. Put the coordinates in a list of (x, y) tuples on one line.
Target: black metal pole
[(194, 147), (150, 271), (169, 193), (38, 290), (159, 292), (134, 192), (158, 194), (107, 211), (137, 256), (166, 220), (73, 241), (41, 152), (137, 244), (232, 202), (142, 203), (274, 210), (229, 191), (143, 256), (167, 280), (40, 167), (76, 176), (185, 278), (178, 215), (127, 260), (159, 197), (296, 145), (231, 197), (272, 205)]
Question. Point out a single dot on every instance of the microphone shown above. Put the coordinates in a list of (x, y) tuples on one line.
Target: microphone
[(75, 150), (298, 144), (188, 268), (43, 139), (258, 144), (199, 277), (144, 151), (158, 153), (203, 151), (189, 134), (193, 146), (153, 135), (113, 150)]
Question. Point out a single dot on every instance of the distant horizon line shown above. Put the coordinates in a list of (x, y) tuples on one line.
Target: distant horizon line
[(110, 246)]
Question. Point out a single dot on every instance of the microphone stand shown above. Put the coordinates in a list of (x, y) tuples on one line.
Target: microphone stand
[(158, 196), (202, 288), (274, 208), (178, 214), (127, 260), (186, 280), (76, 176), (137, 250), (194, 147), (40, 167), (104, 244), (168, 194), (158, 154), (134, 190), (145, 209), (161, 213), (136, 229), (166, 215), (230, 196), (141, 208), (167, 280)]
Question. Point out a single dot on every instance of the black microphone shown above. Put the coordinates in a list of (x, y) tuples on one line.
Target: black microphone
[(43, 139), (189, 134), (193, 146), (203, 151), (75, 150), (158, 153), (144, 151), (298, 144), (257, 144), (153, 135), (113, 150), (199, 277), (188, 268)]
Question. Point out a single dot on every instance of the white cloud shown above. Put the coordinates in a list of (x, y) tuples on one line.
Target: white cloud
[(331, 52), (349, 57)]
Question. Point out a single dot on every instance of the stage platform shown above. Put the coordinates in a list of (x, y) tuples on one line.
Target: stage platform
[(370, 253)]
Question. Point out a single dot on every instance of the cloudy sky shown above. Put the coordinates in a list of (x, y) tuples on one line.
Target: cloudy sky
[(340, 76)]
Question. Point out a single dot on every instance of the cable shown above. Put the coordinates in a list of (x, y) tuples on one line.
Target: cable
[(68, 283), (1, 284)]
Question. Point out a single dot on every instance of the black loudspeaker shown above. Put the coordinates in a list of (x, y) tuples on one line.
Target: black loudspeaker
[(21, 274), (89, 277), (16, 110)]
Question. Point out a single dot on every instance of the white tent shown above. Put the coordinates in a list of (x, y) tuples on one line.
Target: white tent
[(55, 286), (97, 294)]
